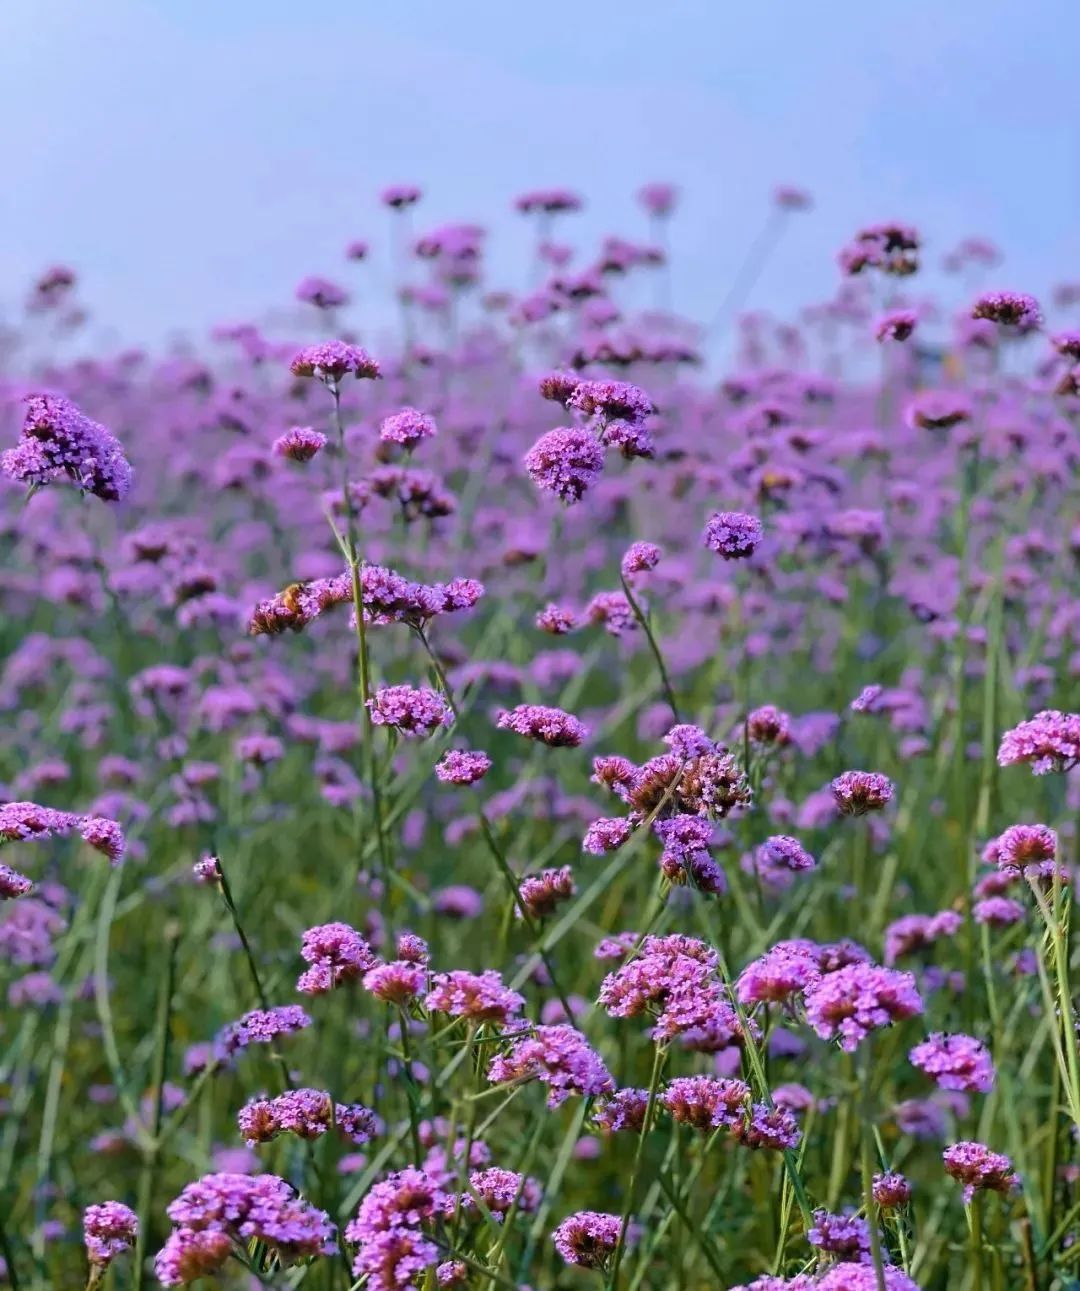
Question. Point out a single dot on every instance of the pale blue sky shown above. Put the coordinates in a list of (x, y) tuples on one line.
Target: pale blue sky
[(194, 158)]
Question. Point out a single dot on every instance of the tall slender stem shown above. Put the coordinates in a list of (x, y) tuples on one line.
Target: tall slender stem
[(356, 572), (659, 1055), (643, 621)]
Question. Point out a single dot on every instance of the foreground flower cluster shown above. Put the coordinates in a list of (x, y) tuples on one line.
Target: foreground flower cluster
[(569, 818)]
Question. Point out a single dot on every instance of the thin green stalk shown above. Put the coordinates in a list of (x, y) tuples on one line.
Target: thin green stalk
[(152, 1152), (659, 1056), (356, 573), (975, 1227), (646, 627)]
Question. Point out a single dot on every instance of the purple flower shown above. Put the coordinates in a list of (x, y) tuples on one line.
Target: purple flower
[(955, 1062), (558, 1056), (857, 792), (566, 462), (337, 954), (1014, 309), (612, 611), (541, 894), (414, 712), (588, 1238), (397, 982), (556, 619), (550, 726), (623, 1110), (776, 976), (658, 198), (977, 1168), (260, 1026), (848, 1276), (706, 1102), (1049, 741), (891, 1190), (109, 1229), (407, 427), (639, 558), (322, 293), (299, 444), (771, 1128), (399, 196), (13, 884), (242, 1208), (845, 1235), (462, 766), (59, 442), (481, 997), (857, 999), (330, 361), (188, 1256), (733, 534), (896, 325)]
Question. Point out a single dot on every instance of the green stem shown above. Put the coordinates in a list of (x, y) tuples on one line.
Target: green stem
[(161, 1061), (646, 627), (659, 1055)]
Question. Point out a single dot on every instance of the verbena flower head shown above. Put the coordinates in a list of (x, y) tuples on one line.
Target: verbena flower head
[(397, 982), (588, 1238), (551, 726), (706, 1102), (188, 1256), (733, 534), (543, 893), (400, 196), (1026, 849), (556, 619), (857, 999), (768, 725), (915, 932), (337, 954), (407, 427), (1014, 309), (858, 792), (849, 1276), (566, 462), (58, 442), (261, 1026), (245, 1208), (955, 1062), (13, 884), (776, 976), (21, 821), (322, 293), (765, 1128), (462, 766), (658, 198), (481, 997), (891, 1190), (558, 1056), (414, 712), (332, 361), (307, 1113), (896, 325), (623, 1110), (300, 444), (978, 1168), (109, 1229), (639, 558), (1049, 741), (501, 1190), (845, 1235)]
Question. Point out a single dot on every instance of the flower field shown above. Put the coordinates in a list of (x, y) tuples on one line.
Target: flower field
[(499, 799)]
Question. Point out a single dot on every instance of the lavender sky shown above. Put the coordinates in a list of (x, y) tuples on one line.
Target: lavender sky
[(193, 159)]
